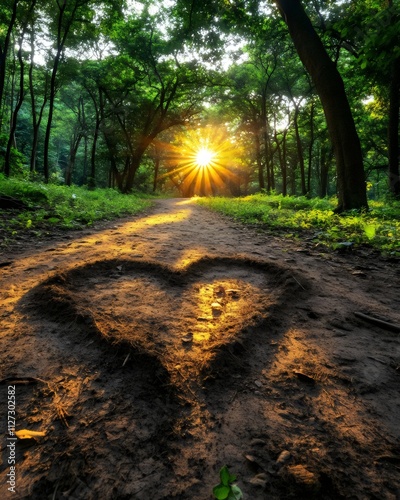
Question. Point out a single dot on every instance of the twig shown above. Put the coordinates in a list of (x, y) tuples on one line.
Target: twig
[(23, 380), (378, 322), (298, 282), (376, 359), (187, 386)]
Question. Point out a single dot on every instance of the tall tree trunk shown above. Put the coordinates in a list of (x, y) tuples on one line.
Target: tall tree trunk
[(260, 167), (13, 124), (300, 153), (325, 158), (92, 180), (132, 168), (4, 50), (75, 141), (46, 168), (393, 131), (352, 193), (99, 110), (282, 159), (36, 120), (21, 92), (269, 164), (284, 163), (293, 169), (310, 147), (63, 28)]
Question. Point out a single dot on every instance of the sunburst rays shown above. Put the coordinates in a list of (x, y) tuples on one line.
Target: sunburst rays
[(200, 162)]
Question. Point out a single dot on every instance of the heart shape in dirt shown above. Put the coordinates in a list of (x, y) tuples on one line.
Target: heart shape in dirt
[(191, 320)]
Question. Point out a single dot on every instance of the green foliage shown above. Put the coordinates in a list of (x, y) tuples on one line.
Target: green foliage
[(17, 160), (225, 490), (298, 216), (59, 207)]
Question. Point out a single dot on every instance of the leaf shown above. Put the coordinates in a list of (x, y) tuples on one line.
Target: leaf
[(370, 231), (236, 493), (221, 492), (27, 434), (224, 476)]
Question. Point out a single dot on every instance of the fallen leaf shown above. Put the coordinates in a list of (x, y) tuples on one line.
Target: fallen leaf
[(27, 434)]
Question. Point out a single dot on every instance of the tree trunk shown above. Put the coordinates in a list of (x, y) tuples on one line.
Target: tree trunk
[(92, 181), (36, 121), (393, 131), (132, 168), (293, 178), (46, 168), (63, 25), (352, 192), (300, 153), (13, 124), (325, 158), (284, 163), (260, 166), (310, 148), (282, 160), (4, 50), (75, 141)]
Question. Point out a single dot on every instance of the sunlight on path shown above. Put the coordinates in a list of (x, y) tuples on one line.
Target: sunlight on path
[(165, 235)]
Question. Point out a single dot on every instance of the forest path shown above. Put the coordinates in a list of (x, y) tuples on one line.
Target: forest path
[(178, 340)]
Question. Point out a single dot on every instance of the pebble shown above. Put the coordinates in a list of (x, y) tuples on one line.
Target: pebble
[(305, 479), (259, 480), (284, 456)]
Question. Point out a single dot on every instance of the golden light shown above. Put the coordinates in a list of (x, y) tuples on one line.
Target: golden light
[(204, 157), (201, 161)]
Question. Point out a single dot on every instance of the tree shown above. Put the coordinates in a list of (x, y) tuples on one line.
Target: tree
[(370, 31), (8, 19), (330, 88), (21, 92), (67, 14)]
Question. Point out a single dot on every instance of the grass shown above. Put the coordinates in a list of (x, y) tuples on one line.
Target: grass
[(53, 207), (299, 217)]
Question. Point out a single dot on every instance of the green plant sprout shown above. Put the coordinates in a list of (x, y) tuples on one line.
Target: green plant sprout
[(225, 490)]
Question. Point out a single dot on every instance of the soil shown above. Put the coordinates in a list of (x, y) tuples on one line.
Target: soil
[(154, 350)]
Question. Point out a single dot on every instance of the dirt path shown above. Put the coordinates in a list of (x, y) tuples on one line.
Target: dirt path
[(158, 349)]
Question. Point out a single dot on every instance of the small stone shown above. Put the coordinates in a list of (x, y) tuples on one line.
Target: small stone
[(259, 480), (303, 478), (284, 457), (187, 338), (257, 442), (359, 273), (258, 383)]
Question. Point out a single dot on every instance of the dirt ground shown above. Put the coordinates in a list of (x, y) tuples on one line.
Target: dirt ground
[(153, 350)]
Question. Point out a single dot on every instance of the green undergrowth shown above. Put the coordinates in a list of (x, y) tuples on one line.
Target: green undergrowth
[(51, 207), (299, 217)]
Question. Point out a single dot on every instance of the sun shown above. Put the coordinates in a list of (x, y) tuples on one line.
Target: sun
[(201, 161), (204, 157)]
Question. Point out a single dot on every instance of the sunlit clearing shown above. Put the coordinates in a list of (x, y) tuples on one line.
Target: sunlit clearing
[(204, 157)]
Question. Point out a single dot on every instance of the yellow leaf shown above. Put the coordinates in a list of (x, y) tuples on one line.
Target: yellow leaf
[(27, 434)]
